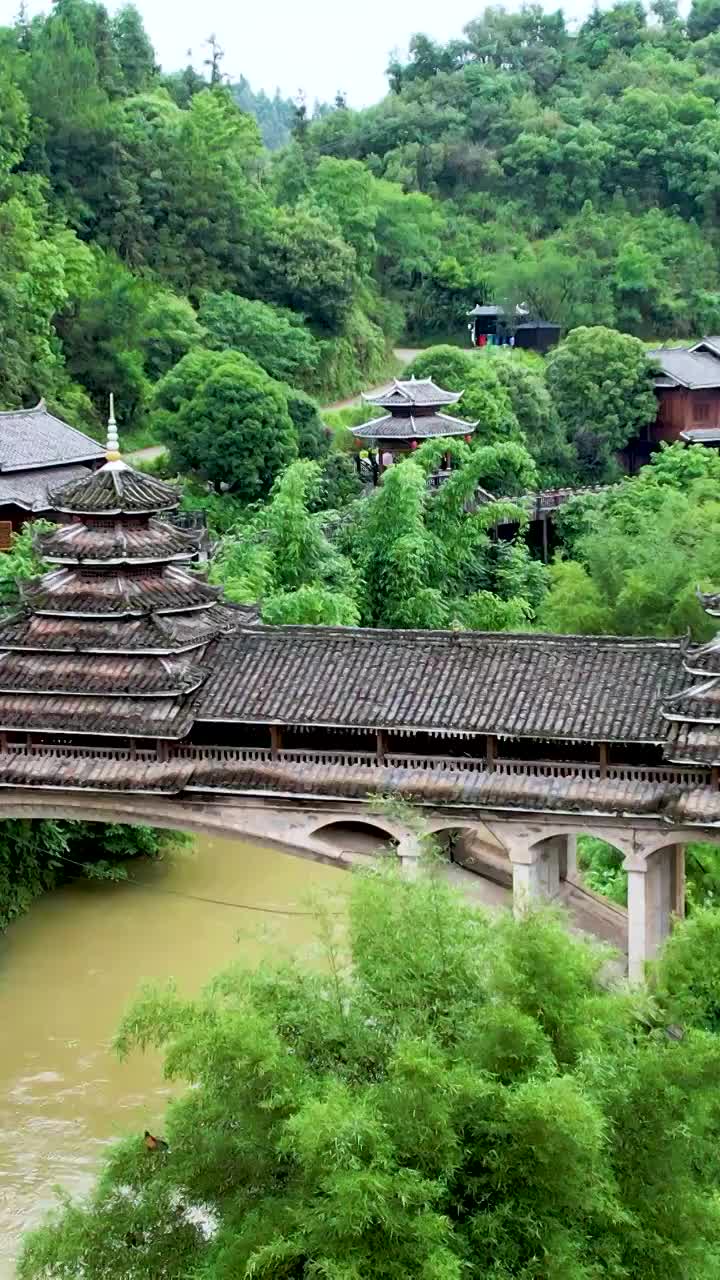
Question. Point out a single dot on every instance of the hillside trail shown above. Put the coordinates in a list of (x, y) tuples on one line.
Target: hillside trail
[(404, 355)]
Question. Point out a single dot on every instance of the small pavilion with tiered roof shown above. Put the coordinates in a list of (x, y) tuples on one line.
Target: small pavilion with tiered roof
[(414, 414)]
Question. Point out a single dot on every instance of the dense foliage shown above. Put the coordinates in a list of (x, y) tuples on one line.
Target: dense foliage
[(140, 220), (448, 1094), (574, 172), (602, 868), (636, 553), (398, 557)]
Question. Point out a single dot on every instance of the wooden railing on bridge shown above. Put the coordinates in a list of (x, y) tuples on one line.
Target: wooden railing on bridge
[(582, 770)]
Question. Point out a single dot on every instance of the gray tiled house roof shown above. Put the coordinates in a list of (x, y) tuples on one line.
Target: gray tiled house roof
[(36, 438), (29, 490), (694, 369)]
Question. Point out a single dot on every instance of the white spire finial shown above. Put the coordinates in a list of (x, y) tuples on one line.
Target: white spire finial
[(112, 448)]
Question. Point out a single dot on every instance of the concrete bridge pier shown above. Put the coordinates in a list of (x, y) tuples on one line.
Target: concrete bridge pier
[(409, 851), (656, 895), (537, 870)]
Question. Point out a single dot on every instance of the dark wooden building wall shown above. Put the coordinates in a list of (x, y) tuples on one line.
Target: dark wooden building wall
[(680, 410)]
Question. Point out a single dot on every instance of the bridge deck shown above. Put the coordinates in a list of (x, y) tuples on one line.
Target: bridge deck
[(676, 796)]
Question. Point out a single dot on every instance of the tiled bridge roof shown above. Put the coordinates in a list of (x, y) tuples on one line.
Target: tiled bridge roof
[(572, 688)]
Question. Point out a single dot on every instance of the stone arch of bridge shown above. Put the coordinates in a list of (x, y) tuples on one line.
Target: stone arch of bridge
[(656, 841), (625, 841), (358, 834), (285, 832)]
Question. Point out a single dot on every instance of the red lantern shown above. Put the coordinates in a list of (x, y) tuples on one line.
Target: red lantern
[(357, 443), (413, 444), (468, 439)]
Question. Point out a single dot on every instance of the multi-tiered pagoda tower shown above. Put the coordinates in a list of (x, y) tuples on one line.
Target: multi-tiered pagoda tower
[(693, 714), (113, 641)]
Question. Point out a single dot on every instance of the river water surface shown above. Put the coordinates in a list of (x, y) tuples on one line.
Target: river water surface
[(69, 969)]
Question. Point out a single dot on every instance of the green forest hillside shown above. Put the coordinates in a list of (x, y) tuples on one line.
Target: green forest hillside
[(578, 173), (142, 216)]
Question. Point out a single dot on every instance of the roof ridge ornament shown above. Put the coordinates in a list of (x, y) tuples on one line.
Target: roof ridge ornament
[(112, 447)]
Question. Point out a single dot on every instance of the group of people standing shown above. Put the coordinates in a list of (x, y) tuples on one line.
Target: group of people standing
[(495, 340)]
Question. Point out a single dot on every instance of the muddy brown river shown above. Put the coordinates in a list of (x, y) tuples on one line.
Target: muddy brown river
[(69, 969)]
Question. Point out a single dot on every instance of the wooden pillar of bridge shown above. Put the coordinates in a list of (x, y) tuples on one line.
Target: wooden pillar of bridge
[(381, 738), (3, 742), (163, 750), (276, 741), (490, 752), (603, 759), (545, 538)]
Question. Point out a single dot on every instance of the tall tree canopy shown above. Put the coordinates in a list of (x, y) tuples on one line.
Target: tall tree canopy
[(224, 418), (601, 383)]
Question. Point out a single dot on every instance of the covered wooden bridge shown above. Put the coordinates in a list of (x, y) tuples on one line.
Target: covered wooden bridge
[(128, 686)]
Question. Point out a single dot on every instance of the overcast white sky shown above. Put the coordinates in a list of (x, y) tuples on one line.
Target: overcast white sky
[(315, 45)]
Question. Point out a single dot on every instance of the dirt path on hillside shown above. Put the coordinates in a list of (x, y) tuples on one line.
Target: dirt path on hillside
[(145, 455), (404, 355)]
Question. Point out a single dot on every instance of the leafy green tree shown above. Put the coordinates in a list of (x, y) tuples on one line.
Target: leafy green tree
[(311, 606), (398, 556), (339, 483), (21, 562), (574, 604), (312, 436), (273, 337), (134, 49), (524, 380), (703, 19), (429, 561), (169, 329), (281, 558), (687, 974), (487, 402), (303, 264), (447, 1093), (103, 333), (639, 551), (274, 115), (14, 123), (601, 383), (348, 194), (32, 289), (38, 854), (449, 367), (223, 417)]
